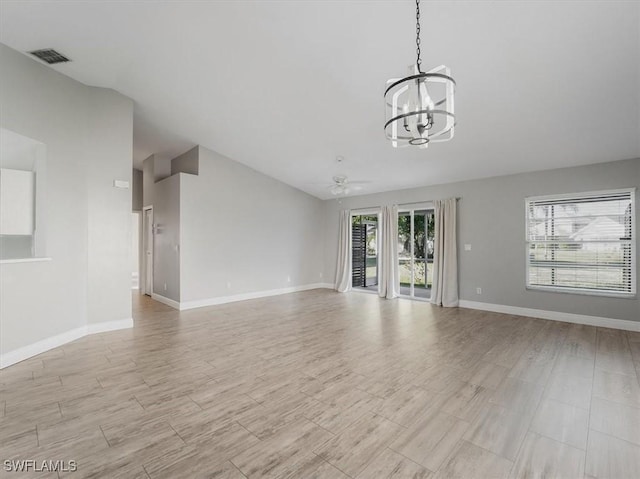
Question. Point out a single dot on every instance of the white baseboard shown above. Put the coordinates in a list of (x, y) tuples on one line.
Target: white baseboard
[(554, 315), (39, 347), (44, 345), (165, 300), (200, 303)]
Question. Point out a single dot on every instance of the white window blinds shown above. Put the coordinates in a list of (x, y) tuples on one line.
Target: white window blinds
[(582, 242)]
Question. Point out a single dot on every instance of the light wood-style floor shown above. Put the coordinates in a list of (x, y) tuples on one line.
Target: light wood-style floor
[(326, 385)]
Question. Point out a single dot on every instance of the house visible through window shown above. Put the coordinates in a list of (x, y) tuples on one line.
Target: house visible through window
[(583, 243)]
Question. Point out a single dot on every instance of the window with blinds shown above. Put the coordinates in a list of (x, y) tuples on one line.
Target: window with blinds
[(582, 243)]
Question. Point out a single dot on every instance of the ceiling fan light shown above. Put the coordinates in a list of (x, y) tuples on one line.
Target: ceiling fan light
[(342, 186), (337, 190)]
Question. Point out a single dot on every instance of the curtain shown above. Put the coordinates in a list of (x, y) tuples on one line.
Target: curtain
[(445, 256), (388, 282), (343, 267)]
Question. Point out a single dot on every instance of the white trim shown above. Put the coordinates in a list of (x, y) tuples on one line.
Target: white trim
[(39, 347), (44, 345), (200, 303), (23, 260), (554, 315), (424, 205), (254, 295), (165, 300), (366, 211), (583, 292), (582, 194)]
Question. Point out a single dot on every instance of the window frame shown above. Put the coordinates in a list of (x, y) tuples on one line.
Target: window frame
[(583, 291)]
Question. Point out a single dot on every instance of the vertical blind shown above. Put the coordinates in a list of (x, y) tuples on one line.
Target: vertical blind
[(582, 242), (359, 255)]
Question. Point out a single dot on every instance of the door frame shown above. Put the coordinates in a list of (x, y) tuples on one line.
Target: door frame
[(147, 265)]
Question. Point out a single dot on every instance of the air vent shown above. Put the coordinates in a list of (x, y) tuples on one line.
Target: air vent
[(50, 56)]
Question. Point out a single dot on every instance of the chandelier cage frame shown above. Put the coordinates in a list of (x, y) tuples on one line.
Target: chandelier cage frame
[(420, 107)]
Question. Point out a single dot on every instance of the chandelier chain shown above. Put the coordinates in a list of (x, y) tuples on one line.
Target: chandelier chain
[(418, 59)]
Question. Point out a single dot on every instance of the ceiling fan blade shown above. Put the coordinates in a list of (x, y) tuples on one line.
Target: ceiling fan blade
[(321, 183)]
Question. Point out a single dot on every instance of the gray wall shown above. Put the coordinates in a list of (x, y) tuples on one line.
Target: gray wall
[(136, 190), (241, 227), (109, 208), (161, 167), (154, 169), (82, 128), (188, 162), (491, 218), (147, 181), (166, 241)]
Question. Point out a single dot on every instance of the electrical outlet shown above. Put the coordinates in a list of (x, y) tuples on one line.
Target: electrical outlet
[(228, 284), (288, 279), (478, 290), (165, 286), (467, 247)]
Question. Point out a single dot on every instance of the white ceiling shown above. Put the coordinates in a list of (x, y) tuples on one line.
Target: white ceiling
[(286, 86)]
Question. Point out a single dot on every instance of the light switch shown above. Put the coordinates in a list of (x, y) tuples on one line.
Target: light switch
[(467, 247), (121, 183)]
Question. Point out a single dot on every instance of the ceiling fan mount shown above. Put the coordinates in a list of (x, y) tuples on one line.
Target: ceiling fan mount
[(340, 179)]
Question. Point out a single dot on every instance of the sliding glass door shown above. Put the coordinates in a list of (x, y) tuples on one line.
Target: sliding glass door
[(415, 252)]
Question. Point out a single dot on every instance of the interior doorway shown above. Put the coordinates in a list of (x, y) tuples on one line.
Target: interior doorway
[(147, 250), (364, 251), (415, 251)]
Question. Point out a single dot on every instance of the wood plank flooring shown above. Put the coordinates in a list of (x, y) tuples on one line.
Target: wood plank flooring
[(326, 385)]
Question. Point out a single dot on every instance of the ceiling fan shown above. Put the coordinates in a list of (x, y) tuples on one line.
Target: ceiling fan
[(342, 186)]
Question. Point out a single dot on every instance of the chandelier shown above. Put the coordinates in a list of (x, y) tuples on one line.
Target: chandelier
[(419, 107)]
